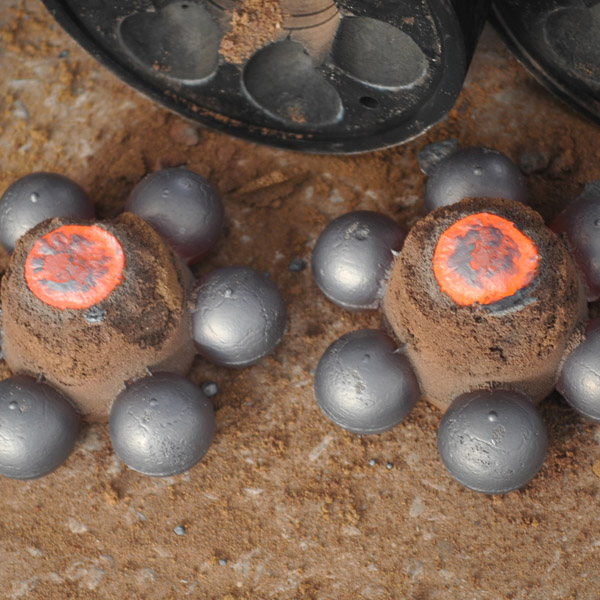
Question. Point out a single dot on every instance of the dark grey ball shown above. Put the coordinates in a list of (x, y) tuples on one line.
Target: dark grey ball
[(37, 197), (580, 222), (474, 173), (364, 384), (183, 208), (492, 442), (38, 428), (353, 256), (239, 316), (579, 380), (162, 425)]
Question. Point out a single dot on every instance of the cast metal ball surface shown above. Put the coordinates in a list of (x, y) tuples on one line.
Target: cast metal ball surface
[(352, 258), (38, 428), (162, 425), (474, 173), (238, 318), (363, 384), (492, 442), (580, 223), (183, 207), (579, 381), (37, 197)]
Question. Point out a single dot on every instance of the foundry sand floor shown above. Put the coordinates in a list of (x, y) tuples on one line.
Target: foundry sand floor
[(285, 505)]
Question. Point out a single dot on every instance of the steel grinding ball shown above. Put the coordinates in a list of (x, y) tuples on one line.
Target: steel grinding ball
[(353, 256), (38, 428), (364, 384), (580, 223), (162, 425), (37, 197), (474, 173), (183, 208), (492, 442), (579, 380), (238, 318)]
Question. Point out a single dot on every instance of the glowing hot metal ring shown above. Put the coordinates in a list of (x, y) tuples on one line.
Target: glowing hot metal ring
[(74, 266), (484, 258)]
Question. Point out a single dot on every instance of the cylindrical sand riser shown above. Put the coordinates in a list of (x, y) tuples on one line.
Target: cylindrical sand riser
[(517, 342), (90, 353)]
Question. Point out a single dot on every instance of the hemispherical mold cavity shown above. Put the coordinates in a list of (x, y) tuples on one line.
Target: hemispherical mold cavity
[(179, 41), (378, 54), (281, 79), (572, 34)]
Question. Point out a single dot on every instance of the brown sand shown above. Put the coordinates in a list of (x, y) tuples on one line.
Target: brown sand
[(288, 500), (457, 349), (254, 24), (147, 323)]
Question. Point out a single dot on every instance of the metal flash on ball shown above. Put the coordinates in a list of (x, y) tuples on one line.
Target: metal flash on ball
[(486, 308), (106, 313)]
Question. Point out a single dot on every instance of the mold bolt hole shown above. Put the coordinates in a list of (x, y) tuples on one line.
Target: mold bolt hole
[(369, 102)]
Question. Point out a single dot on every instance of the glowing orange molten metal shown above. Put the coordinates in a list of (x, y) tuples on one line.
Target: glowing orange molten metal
[(484, 258), (74, 266)]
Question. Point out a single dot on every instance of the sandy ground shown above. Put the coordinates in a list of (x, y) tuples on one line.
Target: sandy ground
[(285, 505)]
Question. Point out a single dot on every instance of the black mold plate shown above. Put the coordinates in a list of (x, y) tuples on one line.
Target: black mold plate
[(558, 41), (389, 70)]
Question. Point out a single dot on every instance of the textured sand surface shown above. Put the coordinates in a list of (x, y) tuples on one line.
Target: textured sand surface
[(285, 505)]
